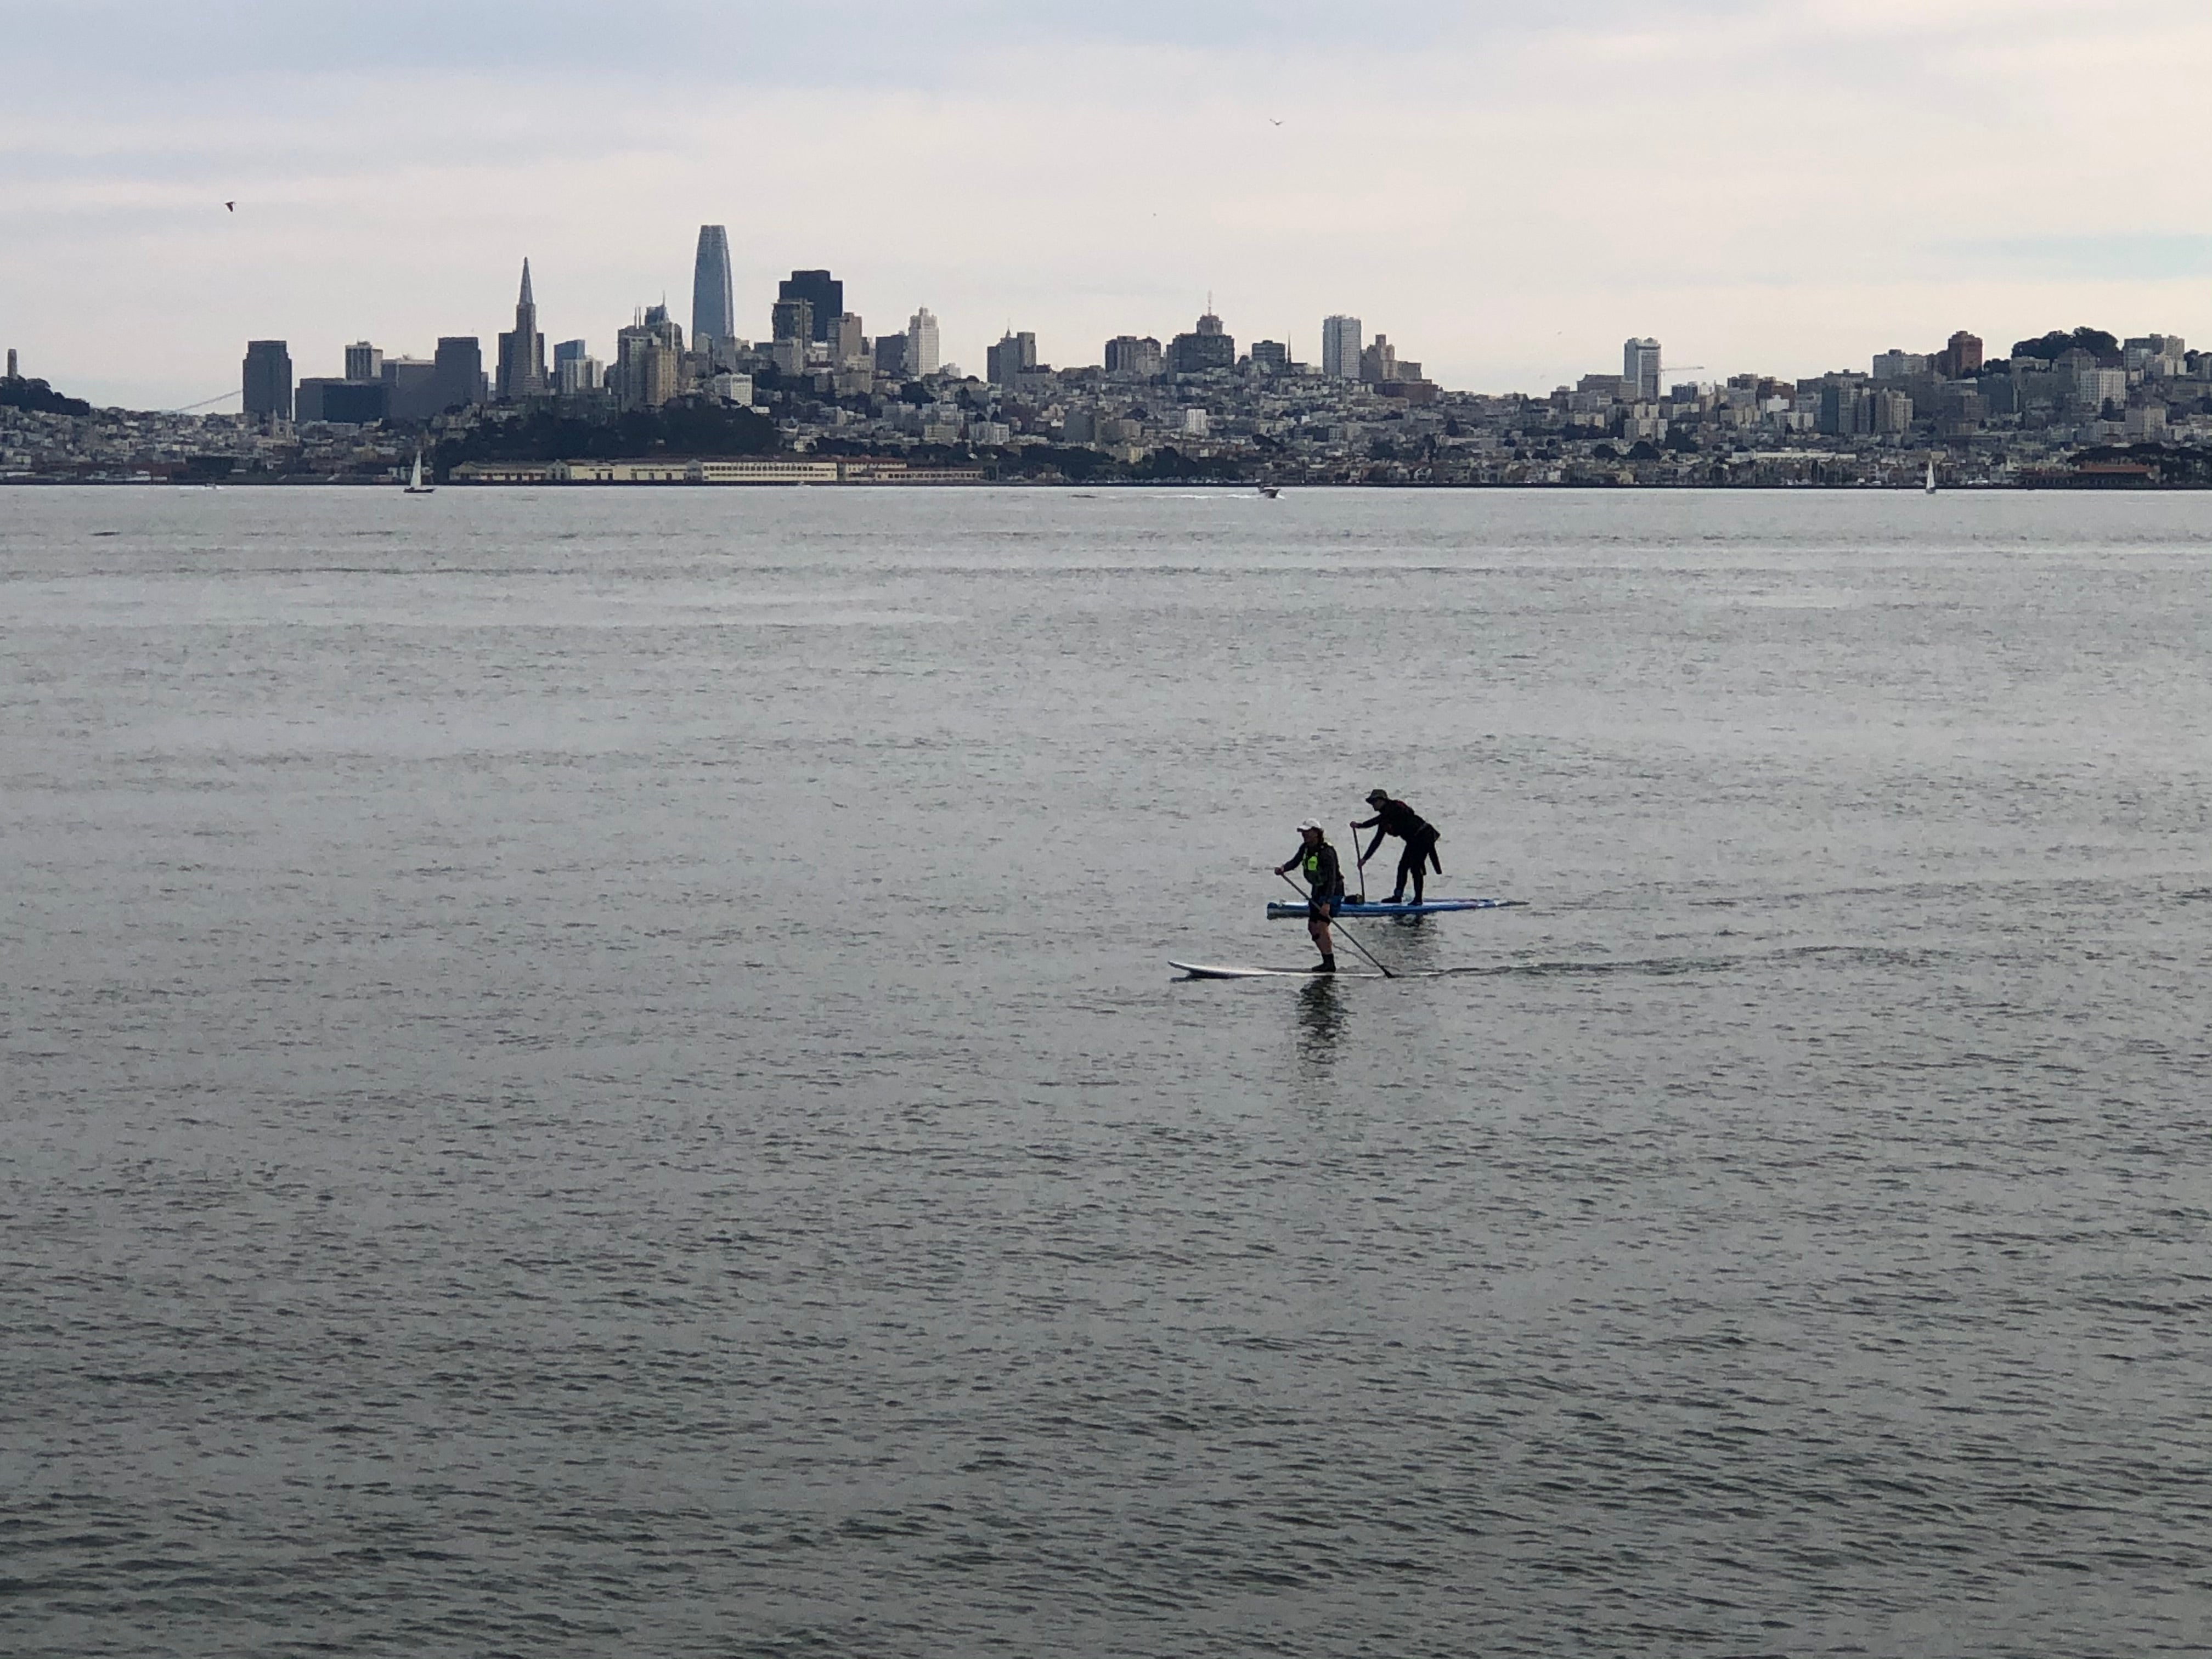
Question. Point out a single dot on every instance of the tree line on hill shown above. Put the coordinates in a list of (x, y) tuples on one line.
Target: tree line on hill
[(677, 429), (40, 398), (2049, 347)]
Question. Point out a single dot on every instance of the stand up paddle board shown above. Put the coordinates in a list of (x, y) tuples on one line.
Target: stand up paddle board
[(1277, 910), (1207, 970)]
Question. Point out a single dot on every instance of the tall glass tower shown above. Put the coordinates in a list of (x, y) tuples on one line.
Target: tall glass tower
[(714, 306), (268, 380)]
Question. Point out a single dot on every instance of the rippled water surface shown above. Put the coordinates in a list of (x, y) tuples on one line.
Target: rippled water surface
[(595, 1074)]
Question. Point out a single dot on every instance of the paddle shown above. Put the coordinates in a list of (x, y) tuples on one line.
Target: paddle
[(1340, 926), (1363, 862)]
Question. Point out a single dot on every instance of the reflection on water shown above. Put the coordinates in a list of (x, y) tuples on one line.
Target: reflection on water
[(1321, 1021)]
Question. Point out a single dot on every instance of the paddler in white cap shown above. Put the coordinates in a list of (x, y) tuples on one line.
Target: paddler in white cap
[(1324, 883)]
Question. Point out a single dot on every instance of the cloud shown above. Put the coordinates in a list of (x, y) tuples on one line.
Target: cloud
[(1783, 184)]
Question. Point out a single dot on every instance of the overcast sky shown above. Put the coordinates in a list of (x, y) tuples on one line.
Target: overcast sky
[(1507, 190)]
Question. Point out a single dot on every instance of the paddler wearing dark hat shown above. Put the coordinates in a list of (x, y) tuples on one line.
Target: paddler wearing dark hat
[(1324, 881), (1394, 817)]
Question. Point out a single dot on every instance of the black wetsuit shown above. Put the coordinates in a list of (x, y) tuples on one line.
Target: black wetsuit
[(1394, 817)]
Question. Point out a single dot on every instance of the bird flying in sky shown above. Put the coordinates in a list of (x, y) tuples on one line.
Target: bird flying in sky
[(232, 206)]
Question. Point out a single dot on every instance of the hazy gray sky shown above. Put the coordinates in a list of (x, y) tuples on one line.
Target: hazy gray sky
[(1507, 190)]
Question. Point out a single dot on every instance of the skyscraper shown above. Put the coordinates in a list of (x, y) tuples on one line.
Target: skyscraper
[(1208, 346), (648, 368), (458, 378), (1639, 370), (1131, 358), (363, 362), (791, 319), (1340, 340), (268, 379), (575, 369), (522, 353), (1962, 357), (848, 345), (713, 302), (921, 358), (822, 291), (1015, 354), (409, 389)]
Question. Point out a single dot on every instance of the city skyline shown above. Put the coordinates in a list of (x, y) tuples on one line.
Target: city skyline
[(1515, 196)]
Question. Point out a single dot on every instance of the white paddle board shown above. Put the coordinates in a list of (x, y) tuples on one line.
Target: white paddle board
[(1209, 971)]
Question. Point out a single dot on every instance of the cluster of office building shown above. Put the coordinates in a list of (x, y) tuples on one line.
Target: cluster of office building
[(1198, 400)]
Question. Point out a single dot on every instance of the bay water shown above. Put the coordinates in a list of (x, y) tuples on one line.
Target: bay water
[(595, 1072)]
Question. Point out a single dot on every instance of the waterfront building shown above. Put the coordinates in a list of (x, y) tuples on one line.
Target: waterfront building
[(1131, 358), (267, 388), (922, 352), (1640, 369), (457, 376), (714, 299), (1208, 346), (823, 292), (1340, 339), (522, 353), (363, 362)]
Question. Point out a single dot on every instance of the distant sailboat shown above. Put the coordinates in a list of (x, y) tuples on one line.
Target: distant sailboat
[(417, 487), (1931, 475)]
